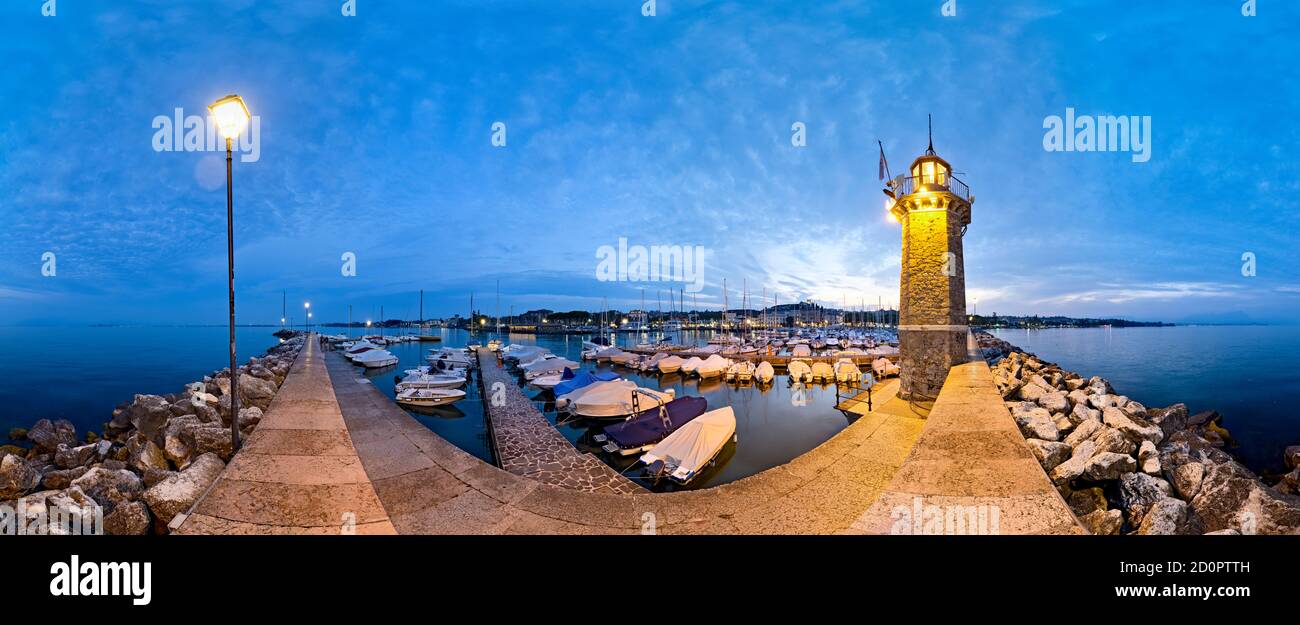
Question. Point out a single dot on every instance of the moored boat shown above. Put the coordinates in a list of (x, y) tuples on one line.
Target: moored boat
[(642, 431), (684, 454), (429, 396)]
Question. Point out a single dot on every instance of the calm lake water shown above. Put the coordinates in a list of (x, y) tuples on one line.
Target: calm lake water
[(1250, 374)]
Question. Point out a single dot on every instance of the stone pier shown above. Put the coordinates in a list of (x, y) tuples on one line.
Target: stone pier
[(526, 444)]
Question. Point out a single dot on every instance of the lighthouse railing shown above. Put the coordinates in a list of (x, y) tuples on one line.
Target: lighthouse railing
[(906, 185)]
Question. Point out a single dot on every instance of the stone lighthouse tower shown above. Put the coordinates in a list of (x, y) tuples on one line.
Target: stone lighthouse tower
[(934, 208)]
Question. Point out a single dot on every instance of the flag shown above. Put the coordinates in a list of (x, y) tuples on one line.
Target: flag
[(882, 162)]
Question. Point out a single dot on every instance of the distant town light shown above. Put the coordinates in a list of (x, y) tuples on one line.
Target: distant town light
[(231, 115)]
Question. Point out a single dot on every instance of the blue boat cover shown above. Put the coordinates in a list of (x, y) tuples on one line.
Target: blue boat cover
[(582, 379), (648, 426)]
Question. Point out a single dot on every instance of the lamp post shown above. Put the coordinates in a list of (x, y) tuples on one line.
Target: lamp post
[(231, 116), (306, 307)]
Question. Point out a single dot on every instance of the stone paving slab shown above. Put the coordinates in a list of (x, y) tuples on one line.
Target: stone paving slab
[(298, 472), (526, 444), (971, 456)]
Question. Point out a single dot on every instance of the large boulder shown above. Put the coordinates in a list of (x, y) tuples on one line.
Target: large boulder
[(17, 477), (129, 519), (1103, 522), (1291, 455), (212, 439), (148, 456), (67, 457), (1086, 501), (1037, 423), (1136, 428), (1186, 479), (1055, 401), (177, 493), (255, 392), (1139, 491), (1099, 386), (1112, 440), (1170, 419), (1231, 497), (148, 414), (110, 487), (1075, 466), (1167, 516), (1109, 466), (1085, 430), (47, 435), (1048, 453), (61, 478), (1149, 458)]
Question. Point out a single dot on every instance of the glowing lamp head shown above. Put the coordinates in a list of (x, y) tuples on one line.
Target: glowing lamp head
[(231, 115)]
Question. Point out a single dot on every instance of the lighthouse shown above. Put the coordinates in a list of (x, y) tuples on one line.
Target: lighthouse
[(934, 208)]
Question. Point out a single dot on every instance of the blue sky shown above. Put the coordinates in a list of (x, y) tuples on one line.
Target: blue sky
[(375, 139)]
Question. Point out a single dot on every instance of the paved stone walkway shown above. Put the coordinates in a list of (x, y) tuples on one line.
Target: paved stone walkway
[(970, 456), (298, 473), (528, 445)]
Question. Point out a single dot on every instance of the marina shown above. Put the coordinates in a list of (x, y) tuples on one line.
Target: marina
[(529, 435)]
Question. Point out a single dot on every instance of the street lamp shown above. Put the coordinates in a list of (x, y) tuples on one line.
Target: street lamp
[(231, 116), (306, 306)]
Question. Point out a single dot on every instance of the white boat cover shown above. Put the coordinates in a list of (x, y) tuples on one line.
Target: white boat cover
[(799, 370), (714, 365), (764, 372), (693, 445), (691, 364), (801, 351), (823, 371), (551, 365), (670, 364), (564, 400), (610, 400)]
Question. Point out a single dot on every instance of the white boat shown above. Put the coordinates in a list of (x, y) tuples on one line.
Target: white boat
[(431, 380), (671, 364), (450, 357), (494, 345), (846, 371), (589, 350), (884, 368), (651, 363), (714, 367), (823, 372), (764, 372), (742, 371), (429, 396), (801, 351), (562, 402), (800, 371), (691, 365), (375, 359), (548, 381), (608, 353), (627, 359), (610, 401), (686, 452), (548, 366), (709, 349)]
